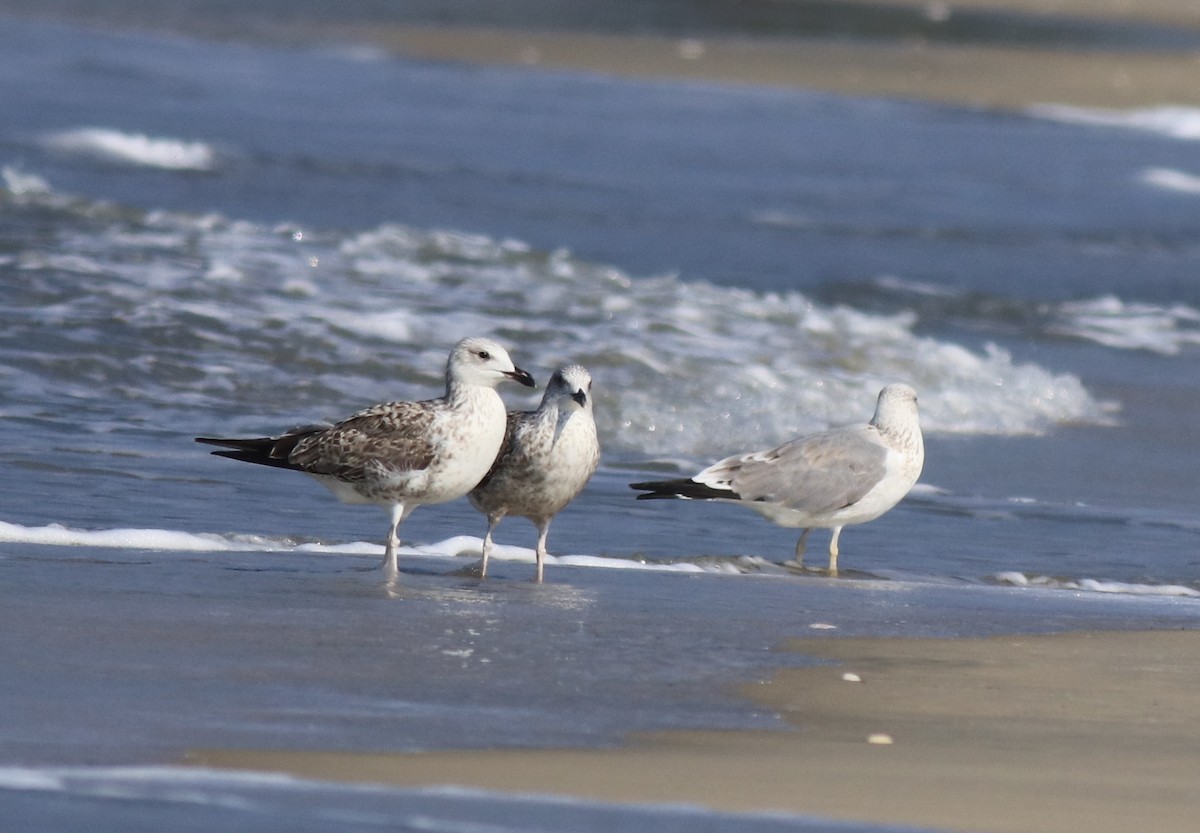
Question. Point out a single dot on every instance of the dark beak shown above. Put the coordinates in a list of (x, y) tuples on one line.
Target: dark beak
[(519, 375), (580, 397)]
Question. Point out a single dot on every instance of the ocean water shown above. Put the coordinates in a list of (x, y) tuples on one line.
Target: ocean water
[(212, 238)]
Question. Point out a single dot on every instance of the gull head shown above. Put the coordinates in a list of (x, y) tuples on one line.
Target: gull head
[(571, 383), (896, 407), (483, 362)]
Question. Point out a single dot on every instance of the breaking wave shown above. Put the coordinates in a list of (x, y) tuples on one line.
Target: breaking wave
[(1175, 122), (222, 316), (136, 149)]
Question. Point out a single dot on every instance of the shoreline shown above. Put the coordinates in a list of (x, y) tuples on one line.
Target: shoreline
[(693, 49), (1090, 732), (1005, 78)]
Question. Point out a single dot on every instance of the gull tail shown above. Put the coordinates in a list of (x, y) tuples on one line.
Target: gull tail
[(263, 451), (683, 488)]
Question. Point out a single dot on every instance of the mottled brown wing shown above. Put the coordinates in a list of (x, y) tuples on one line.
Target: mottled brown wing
[(394, 436)]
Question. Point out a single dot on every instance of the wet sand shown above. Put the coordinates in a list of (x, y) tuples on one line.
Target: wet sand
[(1087, 732)]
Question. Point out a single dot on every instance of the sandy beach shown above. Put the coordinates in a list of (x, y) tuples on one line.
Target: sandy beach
[(1052, 56), (1079, 732), (980, 74), (997, 77)]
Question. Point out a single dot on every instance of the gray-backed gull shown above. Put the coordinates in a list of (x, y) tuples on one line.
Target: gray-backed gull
[(831, 479)]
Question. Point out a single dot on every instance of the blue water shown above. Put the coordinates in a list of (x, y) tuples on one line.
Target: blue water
[(201, 237)]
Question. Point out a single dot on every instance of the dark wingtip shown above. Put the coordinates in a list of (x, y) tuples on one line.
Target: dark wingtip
[(263, 451), (685, 489), (229, 442), (655, 490)]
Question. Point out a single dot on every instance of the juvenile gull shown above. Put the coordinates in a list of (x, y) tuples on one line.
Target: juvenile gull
[(547, 458), (831, 479), (402, 454)]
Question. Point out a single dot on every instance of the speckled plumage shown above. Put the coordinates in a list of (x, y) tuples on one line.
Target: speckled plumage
[(547, 458), (403, 454), (831, 479)]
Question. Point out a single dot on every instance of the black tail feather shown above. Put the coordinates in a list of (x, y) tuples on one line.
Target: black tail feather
[(682, 488), (263, 451), (245, 444)]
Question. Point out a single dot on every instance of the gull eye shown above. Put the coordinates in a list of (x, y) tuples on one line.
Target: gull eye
[(484, 354)]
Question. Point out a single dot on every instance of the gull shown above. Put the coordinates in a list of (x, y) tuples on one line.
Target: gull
[(402, 455), (831, 479), (547, 458)]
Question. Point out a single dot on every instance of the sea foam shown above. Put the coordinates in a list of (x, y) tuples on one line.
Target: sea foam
[(133, 148), (1167, 329), (1017, 579), (168, 540), (469, 547), (1110, 321), (681, 366), (135, 539), (1169, 179), (1175, 122)]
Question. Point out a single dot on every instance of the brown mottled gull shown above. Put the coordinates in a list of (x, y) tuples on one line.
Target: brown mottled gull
[(402, 454), (547, 458), (831, 479)]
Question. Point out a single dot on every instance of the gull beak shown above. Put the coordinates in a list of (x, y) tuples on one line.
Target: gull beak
[(580, 397), (519, 375)]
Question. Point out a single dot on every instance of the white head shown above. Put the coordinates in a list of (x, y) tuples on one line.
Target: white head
[(570, 387), (896, 408), (482, 362)]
